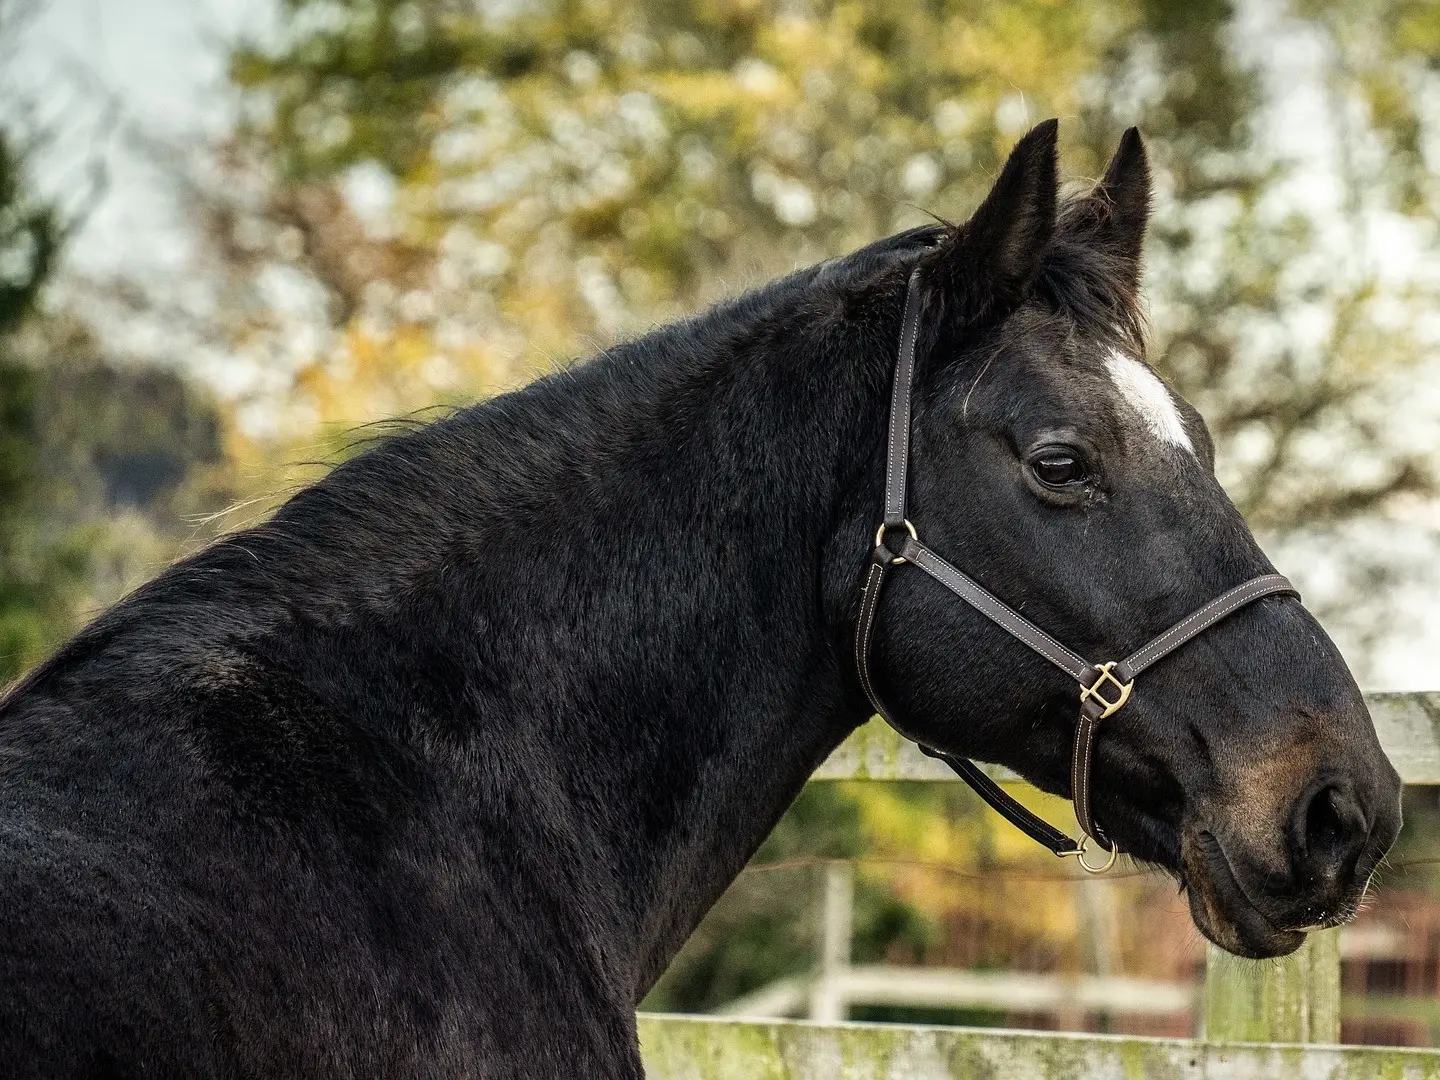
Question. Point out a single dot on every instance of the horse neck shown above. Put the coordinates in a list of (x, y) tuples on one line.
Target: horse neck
[(621, 594), (693, 676)]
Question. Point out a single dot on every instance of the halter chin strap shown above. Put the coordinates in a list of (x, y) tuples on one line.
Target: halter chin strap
[(1104, 688)]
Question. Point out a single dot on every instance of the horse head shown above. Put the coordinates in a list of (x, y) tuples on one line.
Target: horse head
[(1053, 465)]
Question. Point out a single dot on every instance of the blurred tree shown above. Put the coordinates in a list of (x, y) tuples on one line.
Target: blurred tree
[(98, 460), (442, 189), (38, 575), (130, 459), (436, 189)]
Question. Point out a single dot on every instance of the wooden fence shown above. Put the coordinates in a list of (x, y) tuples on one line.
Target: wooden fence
[(1269, 1019)]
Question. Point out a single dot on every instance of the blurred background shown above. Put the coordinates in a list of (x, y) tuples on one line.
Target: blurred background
[(233, 234)]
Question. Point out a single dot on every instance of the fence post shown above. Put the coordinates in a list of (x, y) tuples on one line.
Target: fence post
[(827, 996), (1295, 999)]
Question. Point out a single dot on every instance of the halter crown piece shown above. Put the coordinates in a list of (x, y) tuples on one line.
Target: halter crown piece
[(1104, 688)]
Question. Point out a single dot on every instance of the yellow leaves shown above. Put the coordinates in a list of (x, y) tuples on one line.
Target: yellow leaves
[(549, 314), (1037, 49), (373, 376), (702, 96), (1419, 28), (799, 46), (1388, 96), (996, 895), (656, 148)]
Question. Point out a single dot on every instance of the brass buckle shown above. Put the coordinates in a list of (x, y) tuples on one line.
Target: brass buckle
[(1093, 691), (895, 560)]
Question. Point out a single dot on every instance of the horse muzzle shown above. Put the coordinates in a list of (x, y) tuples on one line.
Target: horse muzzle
[(1257, 892)]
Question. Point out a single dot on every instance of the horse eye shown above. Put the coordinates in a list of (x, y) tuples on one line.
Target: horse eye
[(1057, 469)]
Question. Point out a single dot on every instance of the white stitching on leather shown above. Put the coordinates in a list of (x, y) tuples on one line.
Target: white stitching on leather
[(912, 333), (867, 622), (897, 451), (1233, 600), (1075, 768), (904, 383), (990, 607), (1079, 770), (862, 639), (1213, 614)]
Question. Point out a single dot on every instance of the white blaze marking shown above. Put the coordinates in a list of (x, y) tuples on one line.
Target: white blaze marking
[(1147, 395)]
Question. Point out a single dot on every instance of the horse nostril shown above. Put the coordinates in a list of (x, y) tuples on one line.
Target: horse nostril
[(1334, 831)]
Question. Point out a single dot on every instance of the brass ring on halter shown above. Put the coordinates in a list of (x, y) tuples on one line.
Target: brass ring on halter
[(880, 539), (1080, 857)]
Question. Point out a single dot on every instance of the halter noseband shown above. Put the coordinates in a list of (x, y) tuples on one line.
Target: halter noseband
[(1104, 688)]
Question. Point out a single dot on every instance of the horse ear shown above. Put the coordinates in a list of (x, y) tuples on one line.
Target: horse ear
[(989, 263), (1124, 198)]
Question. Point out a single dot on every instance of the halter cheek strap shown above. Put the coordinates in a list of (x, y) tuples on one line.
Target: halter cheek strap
[(1104, 688)]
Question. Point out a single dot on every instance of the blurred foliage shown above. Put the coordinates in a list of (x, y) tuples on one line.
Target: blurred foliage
[(430, 196), (100, 463), (539, 178), (766, 925), (29, 237), (38, 574)]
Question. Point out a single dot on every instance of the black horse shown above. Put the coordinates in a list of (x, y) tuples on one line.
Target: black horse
[(431, 774)]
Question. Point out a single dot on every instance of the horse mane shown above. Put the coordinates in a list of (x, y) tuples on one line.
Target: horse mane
[(396, 490)]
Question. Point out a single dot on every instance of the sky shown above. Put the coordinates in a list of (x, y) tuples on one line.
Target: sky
[(158, 65)]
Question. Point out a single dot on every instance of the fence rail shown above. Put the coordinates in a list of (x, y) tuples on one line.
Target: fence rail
[(710, 1048), (1257, 1015), (946, 988), (1408, 725)]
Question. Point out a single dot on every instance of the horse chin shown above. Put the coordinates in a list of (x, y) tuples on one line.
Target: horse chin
[(1221, 909)]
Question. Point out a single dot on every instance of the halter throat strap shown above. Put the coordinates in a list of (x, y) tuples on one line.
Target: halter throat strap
[(1104, 688)]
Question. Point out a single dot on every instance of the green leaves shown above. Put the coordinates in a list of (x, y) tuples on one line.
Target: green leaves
[(29, 240), (33, 574)]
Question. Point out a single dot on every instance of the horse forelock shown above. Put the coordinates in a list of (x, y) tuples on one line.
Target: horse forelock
[(1087, 282)]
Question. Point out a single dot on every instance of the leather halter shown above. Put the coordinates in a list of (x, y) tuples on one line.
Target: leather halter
[(1104, 688)]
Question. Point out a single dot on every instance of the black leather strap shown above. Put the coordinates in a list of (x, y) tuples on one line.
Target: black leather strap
[(1005, 617), (865, 629), (1037, 828), (897, 448), (1200, 620), (1105, 688), (1081, 753)]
